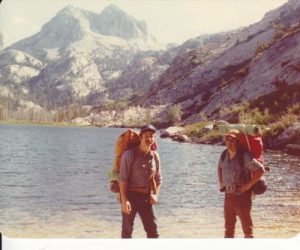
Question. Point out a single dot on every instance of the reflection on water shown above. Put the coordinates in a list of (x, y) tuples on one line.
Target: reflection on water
[(54, 184)]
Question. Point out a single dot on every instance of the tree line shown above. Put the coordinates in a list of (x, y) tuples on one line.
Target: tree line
[(7, 113)]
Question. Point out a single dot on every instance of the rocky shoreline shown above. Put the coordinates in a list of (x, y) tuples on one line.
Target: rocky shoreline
[(287, 141)]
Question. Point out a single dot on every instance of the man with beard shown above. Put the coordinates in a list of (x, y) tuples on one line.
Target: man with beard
[(140, 180)]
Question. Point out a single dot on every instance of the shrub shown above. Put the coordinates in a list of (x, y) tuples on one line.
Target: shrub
[(261, 48), (295, 109), (193, 129), (256, 116), (288, 119), (203, 117), (213, 136), (175, 114), (274, 130)]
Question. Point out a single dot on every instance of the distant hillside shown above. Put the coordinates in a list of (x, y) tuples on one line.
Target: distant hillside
[(110, 66), (242, 67)]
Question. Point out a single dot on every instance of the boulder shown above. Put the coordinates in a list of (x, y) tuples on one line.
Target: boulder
[(82, 121), (293, 149), (183, 138), (288, 136), (171, 131), (164, 134)]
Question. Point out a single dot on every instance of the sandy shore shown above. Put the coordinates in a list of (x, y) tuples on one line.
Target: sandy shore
[(83, 227)]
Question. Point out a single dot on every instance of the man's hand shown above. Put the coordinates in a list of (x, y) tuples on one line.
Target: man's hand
[(256, 175), (126, 207), (153, 199), (245, 187)]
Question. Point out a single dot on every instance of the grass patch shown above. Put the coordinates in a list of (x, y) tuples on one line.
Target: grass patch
[(274, 112), (213, 136), (194, 129)]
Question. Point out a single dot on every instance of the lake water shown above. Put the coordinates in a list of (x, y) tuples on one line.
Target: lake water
[(53, 183)]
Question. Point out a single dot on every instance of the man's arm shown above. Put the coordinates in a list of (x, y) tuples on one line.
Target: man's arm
[(256, 173), (157, 180), (154, 197), (126, 207), (220, 176)]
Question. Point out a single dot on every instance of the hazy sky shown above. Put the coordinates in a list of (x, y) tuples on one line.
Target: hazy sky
[(168, 20)]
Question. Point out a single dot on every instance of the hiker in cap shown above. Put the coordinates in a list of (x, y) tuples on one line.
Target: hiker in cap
[(140, 180), (238, 171)]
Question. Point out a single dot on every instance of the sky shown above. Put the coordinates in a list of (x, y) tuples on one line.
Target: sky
[(170, 21)]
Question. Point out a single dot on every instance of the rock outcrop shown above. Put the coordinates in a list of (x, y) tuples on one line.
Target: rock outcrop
[(293, 149), (250, 63), (131, 117), (289, 136)]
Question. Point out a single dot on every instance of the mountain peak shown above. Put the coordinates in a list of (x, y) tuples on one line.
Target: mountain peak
[(113, 21), (69, 9), (112, 9)]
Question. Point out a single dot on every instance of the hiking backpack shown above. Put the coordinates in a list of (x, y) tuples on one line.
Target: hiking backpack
[(250, 138), (127, 140), (250, 141)]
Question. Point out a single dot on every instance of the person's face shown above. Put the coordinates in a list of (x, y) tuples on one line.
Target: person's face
[(148, 138), (231, 143)]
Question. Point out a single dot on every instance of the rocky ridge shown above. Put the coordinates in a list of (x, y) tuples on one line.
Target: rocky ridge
[(254, 59), (216, 72), (77, 52)]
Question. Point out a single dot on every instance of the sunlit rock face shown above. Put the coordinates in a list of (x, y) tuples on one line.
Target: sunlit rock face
[(74, 55)]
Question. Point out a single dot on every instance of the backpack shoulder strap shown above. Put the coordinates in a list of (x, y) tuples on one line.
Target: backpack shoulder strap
[(155, 157), (153, 184), (241, 157), (223, 155), (134, 153)]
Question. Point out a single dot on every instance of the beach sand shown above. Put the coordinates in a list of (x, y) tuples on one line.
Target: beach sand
[(77, 226)]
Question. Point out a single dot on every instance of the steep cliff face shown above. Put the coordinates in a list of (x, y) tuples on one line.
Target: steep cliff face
[(160, 69), (246, 65)]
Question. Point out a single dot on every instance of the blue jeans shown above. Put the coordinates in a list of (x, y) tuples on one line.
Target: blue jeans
[(140, 203), (238, 205)]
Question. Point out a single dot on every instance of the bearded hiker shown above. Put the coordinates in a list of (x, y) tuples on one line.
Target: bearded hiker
[(140, 180)]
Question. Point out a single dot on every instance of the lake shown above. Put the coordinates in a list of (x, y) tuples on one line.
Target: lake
[(54, 184)]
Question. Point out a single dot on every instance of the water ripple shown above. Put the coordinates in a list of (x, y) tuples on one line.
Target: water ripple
[(52, 176)]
